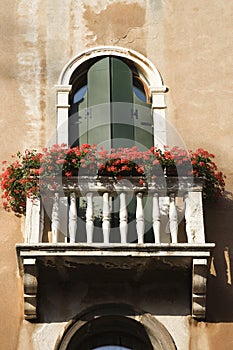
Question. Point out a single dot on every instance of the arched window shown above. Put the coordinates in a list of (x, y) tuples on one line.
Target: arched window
[(112, 97), (110, 105), (94, 87), (108, 328)]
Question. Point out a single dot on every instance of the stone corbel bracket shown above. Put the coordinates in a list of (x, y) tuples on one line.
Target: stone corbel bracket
[(199, 281), (30, 288)]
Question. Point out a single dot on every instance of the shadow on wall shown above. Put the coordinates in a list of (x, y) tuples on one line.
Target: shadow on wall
[(219, 229), (73, 286)]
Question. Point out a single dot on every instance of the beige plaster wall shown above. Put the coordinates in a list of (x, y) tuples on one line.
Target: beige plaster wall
[(191, 45)]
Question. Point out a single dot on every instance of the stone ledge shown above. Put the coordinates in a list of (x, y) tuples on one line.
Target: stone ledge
[(113, 249)]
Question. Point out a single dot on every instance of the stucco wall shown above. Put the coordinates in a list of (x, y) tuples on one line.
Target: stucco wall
[(191, 45)]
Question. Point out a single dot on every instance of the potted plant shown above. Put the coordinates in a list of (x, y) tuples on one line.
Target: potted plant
[(19, 180), (204, 166), (122, 163), (62, 160)]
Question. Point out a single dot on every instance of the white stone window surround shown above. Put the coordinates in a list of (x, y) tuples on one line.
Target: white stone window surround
[(154, 84)]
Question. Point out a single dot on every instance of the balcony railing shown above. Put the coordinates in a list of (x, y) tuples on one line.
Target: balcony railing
[(170, 209)]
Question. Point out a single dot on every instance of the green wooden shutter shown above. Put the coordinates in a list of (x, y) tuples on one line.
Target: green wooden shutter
[(110, 98), (111, 114), (122, 104), (98, 103)]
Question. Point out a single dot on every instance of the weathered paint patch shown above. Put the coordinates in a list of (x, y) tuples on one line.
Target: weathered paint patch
[(30, 66), (116, 24), (210, 336)]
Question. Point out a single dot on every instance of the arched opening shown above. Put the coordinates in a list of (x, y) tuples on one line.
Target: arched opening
[(116, 327), (110, 332)]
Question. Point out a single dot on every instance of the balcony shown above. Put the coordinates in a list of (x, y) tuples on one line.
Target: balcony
[(159, 223)]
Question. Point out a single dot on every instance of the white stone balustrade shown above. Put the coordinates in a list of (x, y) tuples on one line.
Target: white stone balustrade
[(168, 200)]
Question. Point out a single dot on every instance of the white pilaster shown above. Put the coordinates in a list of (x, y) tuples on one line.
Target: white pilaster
[(34, 221), (62, 112), (194, 217), (158, 112)]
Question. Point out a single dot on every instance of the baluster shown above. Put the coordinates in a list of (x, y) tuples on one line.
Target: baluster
[(106, 217), (55, 218), (123, 218), (140, 218), (173, 219), (156, 218), (63, 219), (73, 218), (41, 221), (187, 216), (164, 205), (90, 218)]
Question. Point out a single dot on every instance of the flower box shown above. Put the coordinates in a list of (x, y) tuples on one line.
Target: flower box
[(32, 172)]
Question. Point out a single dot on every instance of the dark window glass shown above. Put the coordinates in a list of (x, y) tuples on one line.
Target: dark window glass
[(111, 347), (111, 333)]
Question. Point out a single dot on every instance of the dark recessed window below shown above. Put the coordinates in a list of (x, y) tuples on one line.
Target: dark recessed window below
[(110, 333)]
